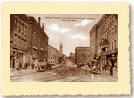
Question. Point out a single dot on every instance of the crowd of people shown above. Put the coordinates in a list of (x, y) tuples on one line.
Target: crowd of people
[(93, 67), (36, 64), (98, 66)]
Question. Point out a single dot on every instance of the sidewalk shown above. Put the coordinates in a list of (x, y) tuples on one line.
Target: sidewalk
[(107, 73), (21, 72)]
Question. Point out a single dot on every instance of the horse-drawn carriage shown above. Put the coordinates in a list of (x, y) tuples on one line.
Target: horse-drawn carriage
[(95, 67), (43, 65)]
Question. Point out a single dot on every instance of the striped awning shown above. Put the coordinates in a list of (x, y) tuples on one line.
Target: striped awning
[(42, 49), (35, 47)]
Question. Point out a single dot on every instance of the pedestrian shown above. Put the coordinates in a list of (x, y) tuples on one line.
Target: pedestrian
[(86, 68), (36, 63), (20, 66), (32, 65), (39, 63), (45, 64), (110, 67), (101, 66), (115, 64), (25, 66)]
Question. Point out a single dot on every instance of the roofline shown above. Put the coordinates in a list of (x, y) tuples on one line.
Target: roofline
[(97, 23), (30, 18), (53, 47)]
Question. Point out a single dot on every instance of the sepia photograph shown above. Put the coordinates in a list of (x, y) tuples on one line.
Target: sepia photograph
[(63, 47)]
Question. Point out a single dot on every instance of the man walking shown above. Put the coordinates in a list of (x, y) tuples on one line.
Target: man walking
[(111, 67), (86, 68)]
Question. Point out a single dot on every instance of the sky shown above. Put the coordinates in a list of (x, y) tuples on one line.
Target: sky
[(72, 30)]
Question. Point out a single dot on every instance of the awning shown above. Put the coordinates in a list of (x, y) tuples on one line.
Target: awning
[(94, 60), (21, 51), (42, 49), (12, 55), (35, 47)]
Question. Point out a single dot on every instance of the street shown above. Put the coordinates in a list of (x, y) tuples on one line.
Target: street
[(64, 72)]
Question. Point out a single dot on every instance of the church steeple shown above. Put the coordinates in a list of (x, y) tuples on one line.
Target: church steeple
[(61, 49)]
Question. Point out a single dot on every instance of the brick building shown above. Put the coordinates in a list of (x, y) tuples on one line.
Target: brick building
[(37, 41), (53, 55), (93, 42), (104, 38), (28, 41), (18, 40), (82, 55)]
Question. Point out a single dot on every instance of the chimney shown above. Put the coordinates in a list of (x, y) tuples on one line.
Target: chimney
[(39, 20), (43, 26)]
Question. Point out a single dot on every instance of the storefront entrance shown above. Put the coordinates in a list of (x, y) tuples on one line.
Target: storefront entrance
[(12, 62)]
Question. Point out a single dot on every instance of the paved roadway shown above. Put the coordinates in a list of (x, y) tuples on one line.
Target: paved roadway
[(53, 76)]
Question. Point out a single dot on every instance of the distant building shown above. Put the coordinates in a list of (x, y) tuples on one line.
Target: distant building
[(18, 40), (37, 41), (53, 55), (72, 57), (104, 38), (82, 55), (63, 57)]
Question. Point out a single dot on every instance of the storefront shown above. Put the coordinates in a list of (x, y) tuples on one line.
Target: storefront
[(12, 58), (17, 57)]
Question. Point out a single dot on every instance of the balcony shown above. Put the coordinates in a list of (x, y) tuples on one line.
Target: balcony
[(104, 43), (112, 51)]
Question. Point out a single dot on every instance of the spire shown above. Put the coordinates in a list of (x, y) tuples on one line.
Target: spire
[(61, 46), (61, 49)]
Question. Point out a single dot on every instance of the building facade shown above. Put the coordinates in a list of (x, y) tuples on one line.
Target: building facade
[(28, 41), (82, 55), (93, 42), (18, 40), (53, 55), (106, 39), (37, 41)]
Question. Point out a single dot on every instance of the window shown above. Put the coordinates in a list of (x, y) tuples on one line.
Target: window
[(106, 36), (19, 28), (116, 29), (15, 24), (112, 33), (111, 46), (17, 41), (14, 40), (115, 44)]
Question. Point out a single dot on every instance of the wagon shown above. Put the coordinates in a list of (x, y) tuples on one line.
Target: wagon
[(94, 67)]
